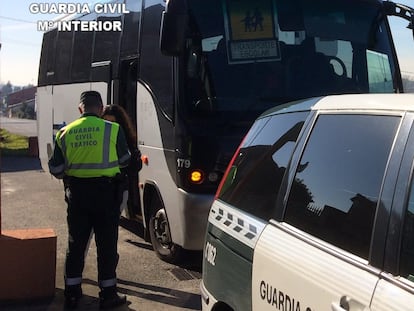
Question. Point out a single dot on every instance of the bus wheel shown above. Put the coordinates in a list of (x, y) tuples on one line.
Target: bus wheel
[(159, 230)]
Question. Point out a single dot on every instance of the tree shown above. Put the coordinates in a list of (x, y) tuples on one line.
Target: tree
[(7, 89)]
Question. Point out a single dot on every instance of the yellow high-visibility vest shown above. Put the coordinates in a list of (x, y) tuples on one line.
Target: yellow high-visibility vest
[(89, 147)]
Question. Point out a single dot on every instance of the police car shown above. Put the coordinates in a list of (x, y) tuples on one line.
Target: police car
[(316, 210)]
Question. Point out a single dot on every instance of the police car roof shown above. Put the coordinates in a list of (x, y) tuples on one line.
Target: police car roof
[(391, 102)]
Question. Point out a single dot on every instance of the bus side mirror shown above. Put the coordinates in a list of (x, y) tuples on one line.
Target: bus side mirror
[(400, 10), (173, 33)]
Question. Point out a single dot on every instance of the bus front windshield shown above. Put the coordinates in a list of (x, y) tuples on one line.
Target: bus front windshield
[(250, 55)]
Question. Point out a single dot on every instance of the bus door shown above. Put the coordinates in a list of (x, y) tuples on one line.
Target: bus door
[(127, 98)]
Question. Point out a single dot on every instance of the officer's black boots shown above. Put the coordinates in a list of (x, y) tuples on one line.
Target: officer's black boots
[(72, 296), (109, 298)]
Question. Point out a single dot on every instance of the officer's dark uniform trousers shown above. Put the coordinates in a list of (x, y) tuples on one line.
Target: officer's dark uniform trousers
[(92, 205)]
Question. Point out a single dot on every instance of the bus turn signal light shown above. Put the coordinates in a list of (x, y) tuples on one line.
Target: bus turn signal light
[(144, 159), (196, 176)]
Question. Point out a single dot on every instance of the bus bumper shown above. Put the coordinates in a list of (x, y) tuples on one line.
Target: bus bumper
[(207, 300), (195, 210)]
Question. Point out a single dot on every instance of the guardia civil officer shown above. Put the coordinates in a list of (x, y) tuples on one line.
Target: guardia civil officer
[(88, 155)]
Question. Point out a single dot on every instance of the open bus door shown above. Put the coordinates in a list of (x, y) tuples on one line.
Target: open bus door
[(127, 98)]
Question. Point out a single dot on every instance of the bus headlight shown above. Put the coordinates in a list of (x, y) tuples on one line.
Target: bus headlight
[(213, 177)]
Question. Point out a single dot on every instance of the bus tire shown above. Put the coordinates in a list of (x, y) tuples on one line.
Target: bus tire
[(159, 231)]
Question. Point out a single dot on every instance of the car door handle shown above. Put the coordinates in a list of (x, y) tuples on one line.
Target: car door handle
[(348, 304)]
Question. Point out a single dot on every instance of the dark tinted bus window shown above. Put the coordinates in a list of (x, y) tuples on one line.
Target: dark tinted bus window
[(156, 69), (47, 59), (63, 57), (130, 37), (337, 183), (82, 56), (407, 247), (255, 177), (107, 45)]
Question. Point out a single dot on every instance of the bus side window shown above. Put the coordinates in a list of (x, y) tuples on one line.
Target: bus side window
[(63, 57), (103, 49), (47, 58), (82, 55)]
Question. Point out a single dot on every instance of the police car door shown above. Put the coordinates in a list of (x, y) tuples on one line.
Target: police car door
[(395, 290), (318, 256)]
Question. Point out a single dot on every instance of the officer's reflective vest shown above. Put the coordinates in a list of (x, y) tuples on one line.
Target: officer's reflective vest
[(89, 147)]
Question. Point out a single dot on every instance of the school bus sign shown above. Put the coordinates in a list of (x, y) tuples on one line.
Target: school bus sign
[(251, 32)]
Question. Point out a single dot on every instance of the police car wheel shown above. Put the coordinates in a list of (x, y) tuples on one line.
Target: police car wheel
[(159, 231)]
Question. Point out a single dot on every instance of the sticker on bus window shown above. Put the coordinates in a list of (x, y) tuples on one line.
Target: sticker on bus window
[(251, 31)]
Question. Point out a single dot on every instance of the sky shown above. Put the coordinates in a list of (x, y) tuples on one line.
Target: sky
[(21, 41)]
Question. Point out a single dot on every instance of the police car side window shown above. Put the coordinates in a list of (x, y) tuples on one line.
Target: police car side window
[(254, 180), (407, 247), (335, 192)]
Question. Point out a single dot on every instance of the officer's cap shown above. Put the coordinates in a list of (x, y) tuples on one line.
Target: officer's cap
[(91, 98)]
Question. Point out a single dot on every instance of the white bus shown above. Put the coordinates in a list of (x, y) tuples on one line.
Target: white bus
[(195, 74)]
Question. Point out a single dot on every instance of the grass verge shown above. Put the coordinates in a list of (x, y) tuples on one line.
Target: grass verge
[(13, 144)]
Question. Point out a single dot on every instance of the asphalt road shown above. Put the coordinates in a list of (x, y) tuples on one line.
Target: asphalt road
[(32, 198), (23, 127)]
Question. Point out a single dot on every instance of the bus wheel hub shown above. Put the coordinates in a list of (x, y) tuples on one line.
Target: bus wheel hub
[(162, 229)]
